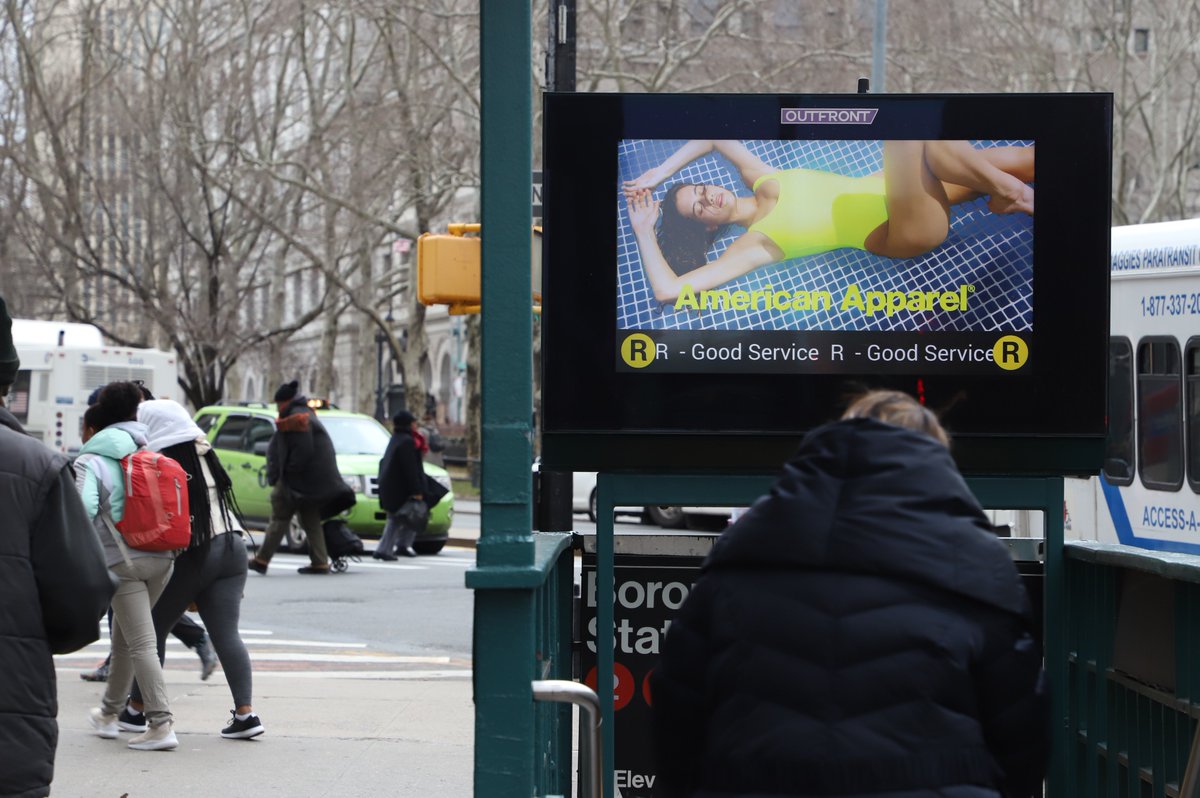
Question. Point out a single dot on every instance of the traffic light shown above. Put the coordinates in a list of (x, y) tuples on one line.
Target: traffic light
[(448, 268)]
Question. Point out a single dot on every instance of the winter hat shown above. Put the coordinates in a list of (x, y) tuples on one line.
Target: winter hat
[(403, 420), (9, 362), (287, 391)]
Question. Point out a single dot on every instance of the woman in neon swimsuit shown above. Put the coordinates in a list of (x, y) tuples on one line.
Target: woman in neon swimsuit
[(902, 212)]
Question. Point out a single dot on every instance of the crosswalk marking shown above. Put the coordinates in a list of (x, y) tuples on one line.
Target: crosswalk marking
[(368, 562), (283, 656), (293, 658)]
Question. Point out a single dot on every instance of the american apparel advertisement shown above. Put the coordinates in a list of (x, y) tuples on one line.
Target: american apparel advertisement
[(846, 256)]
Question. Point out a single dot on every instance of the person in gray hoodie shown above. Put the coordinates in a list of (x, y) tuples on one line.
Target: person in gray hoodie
[(142, 574)]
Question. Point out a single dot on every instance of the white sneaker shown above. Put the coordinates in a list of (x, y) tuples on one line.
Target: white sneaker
[(105, 725), (156, 738)]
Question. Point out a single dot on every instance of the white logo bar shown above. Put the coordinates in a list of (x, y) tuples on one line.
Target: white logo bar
[(827, 116)]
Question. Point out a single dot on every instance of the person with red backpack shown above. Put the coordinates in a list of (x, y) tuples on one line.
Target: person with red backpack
[(188, 632), (211, 573), (142, 573)]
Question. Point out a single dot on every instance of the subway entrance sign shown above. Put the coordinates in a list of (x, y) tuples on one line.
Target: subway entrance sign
[(650, 589)]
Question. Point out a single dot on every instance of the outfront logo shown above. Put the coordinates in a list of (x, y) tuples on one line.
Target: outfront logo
[(827, 116)]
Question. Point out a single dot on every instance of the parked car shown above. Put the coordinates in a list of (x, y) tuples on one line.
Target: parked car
[(583, 500), (240, 434)]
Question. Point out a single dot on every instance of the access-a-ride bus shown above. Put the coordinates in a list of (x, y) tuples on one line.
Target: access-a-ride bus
[(62, 363), (1148, 494)]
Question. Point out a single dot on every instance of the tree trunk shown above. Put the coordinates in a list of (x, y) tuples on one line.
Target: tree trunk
[(323, 380), (474, 417)]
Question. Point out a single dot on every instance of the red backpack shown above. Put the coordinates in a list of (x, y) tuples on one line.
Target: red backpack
[(156, 517)]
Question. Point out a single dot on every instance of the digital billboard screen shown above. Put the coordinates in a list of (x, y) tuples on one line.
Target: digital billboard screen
[(731, 267), (824, 256)]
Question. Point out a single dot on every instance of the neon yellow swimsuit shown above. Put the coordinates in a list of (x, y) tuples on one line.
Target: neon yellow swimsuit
[(819, 211)]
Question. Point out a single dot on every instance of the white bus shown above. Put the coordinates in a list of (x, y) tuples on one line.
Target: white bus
[(62, 363), (1148, 495)]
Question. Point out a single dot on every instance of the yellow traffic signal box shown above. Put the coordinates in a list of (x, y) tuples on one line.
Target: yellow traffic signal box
[(448, 269)]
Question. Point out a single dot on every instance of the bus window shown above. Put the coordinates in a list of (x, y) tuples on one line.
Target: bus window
[(18, 397), (1192, 411), (1160, 414), (1118, 448)]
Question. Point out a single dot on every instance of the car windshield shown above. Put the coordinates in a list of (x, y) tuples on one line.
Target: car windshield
[(356, 435)]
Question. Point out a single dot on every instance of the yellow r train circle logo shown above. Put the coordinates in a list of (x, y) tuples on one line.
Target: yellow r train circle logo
[(1010, 352), (637, 350)]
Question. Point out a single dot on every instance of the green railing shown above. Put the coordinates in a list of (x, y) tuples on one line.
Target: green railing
[(553, 601), (1134, 671), (522, 747)]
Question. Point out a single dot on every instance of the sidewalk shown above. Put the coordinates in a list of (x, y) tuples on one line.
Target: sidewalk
[(323, 737)]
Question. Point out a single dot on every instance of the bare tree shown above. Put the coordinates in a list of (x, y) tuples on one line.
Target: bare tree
[(389, 118), (211, 171), (1143, 52), (715, 46), (130, 162)]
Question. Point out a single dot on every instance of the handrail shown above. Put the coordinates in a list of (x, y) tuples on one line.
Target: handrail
[(547, 546), (586, 699), (1167, 564)]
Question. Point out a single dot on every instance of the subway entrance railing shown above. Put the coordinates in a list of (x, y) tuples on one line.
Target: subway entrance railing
[(1133, 684)]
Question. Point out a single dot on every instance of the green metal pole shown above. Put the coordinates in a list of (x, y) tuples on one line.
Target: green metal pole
[(1056, 650), (605, 593), (504, 636)]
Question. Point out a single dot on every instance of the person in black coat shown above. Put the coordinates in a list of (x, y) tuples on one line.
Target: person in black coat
[(302, 469), (402, 490), (54, 588), (859, 631)]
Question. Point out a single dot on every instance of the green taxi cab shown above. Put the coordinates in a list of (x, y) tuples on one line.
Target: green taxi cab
[(240, 433)]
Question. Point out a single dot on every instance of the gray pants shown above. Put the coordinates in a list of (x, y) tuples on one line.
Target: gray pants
[(213, 576), (283, 507), (399, 533), (134, 649)]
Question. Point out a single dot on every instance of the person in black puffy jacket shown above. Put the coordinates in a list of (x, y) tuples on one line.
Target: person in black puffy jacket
[(54, 588), (859, 631)]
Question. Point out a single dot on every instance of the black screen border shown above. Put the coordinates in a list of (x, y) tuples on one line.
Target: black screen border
[(1048, 419)]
